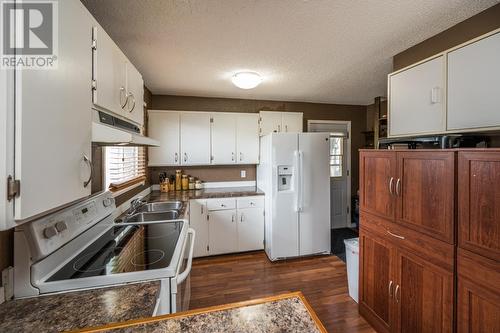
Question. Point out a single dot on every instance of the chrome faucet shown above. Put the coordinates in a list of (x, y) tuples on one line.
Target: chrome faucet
[(134, 204)]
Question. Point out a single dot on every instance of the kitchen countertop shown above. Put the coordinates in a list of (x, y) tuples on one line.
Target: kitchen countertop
[(283, 313), (79, 309), (207, 193)]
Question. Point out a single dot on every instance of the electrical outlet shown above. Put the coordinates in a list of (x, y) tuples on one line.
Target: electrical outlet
[(8, 282), (243, 174)]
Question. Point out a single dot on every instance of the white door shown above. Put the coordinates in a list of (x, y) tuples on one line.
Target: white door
[(198, 221), (164, 127), (109, 73), (247, 138), (223, 231), (292, 122), (223, 138), (195, 138), (53, 121), (339, 184), (134, 110), (473, 85), (270, 122), (314, 193), (250, 229), (416, 99), (284, 215)]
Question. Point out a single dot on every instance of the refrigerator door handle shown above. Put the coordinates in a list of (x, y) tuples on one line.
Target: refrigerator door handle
[(297, 181), (301, 180)]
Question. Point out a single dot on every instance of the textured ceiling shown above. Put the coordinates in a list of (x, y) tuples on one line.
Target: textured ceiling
[(330, 51)]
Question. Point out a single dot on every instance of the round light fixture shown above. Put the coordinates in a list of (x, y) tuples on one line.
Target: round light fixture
[(246, 80)]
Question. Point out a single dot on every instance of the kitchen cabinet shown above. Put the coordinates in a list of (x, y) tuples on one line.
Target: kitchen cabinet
[(473, 81), (199, 222), (271, 121), (134, 110), (250, 229), (247, 138), (417, 99), (53, 121), (195, 138), (164, 127), (223, 138), (223, 231)]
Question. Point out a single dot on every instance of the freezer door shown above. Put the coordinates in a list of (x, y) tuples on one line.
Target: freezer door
[(314, 193), (284, 219)]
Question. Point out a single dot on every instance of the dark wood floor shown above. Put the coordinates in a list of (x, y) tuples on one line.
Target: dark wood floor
[(322, 280)]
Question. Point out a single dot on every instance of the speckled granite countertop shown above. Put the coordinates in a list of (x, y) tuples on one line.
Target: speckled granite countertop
[(79, 309), (284, 313), (208, 193)]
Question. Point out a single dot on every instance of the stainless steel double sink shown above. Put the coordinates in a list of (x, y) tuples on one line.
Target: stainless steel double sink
[(155, 211)]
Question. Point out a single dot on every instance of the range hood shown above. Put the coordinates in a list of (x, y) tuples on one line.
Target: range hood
[(108, 130)]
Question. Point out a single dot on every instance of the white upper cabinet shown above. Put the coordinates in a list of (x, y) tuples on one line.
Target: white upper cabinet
[(53, 121), (270, 122), (164, 127), (195, 138), (474, 85), (134, 109), (247, 138), (292, 122), (416, 99), (223, 138)]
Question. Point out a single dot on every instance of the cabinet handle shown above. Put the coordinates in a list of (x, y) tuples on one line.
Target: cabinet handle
[(241, 156), (232, 218), (398, 186), (396, 294), (133, 100), (394, 235), (435, 96), (279, 128), (390, 185), (222, 205), (390, 288), (89, 163), (176, 157), (286, 128), (232, 157), (123, 94), (185, 157), (241, 218)]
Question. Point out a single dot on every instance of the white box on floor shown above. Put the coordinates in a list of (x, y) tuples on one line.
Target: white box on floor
[(352, 261)]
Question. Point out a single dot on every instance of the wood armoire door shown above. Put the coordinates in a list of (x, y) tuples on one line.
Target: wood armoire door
[(375, 283), (425, 192), (377, 183), (423, 296), (479, 202)]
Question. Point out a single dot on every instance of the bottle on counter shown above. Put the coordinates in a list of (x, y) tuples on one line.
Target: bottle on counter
[(198, 184), (178, 180), (185, 183), (191, 183)]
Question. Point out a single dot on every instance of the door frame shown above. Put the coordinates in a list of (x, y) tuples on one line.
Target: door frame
[(348, 160)]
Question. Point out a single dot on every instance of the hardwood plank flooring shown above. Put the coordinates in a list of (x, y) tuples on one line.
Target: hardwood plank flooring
[(322, 280)]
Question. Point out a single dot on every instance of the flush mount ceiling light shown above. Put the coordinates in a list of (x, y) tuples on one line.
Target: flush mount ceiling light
[(246, 80)]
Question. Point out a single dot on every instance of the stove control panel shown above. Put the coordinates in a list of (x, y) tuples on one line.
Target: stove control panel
[(53, 231)]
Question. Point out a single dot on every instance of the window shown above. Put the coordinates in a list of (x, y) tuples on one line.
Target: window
[(124, 166), (336, 154)]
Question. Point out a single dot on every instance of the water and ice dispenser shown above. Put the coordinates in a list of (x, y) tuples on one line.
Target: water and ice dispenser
[(285, 173)]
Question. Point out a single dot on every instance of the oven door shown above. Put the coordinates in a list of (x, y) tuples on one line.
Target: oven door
[(180, 285)]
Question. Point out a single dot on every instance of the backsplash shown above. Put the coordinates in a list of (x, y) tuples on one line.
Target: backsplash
[(219, 173)]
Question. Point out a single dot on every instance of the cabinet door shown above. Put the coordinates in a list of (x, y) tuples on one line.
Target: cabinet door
[(109, 73), (375, 281), (423, 296), (247, 138), (195, 138), (134, 110), (425, 189), (198, 221), (164, 127), (53, 121), (479, 203), (292, 122), (416, 99), (223, 231), (377, 183), (270, 122), (473, 81), (250, 229), (223, 138), (478, 306)]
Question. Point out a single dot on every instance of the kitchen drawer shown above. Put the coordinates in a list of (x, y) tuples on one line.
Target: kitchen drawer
[(250, 202), (221, 204), (436, 251)]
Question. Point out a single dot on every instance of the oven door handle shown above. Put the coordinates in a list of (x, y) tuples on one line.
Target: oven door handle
[(182, 276)]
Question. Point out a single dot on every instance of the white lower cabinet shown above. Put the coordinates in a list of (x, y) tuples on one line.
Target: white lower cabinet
[(227, 225)]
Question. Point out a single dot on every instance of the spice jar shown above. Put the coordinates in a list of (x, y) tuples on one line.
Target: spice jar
[(178, 180), (185, 182), (191, 183), (198, 185)]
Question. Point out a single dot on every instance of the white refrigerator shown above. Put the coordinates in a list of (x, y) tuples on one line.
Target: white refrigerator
[(294, 173)]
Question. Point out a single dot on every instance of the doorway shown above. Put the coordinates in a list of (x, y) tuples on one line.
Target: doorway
[(340, 169)]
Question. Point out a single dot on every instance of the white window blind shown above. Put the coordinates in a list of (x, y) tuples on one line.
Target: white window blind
[(124, 166)]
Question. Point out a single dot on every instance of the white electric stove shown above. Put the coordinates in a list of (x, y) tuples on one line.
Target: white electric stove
[(81, 247)]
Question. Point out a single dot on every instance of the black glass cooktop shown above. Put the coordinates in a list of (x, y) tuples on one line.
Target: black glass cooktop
[(125, 248)]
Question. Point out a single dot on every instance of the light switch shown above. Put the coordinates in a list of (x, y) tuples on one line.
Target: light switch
[(243, 174)]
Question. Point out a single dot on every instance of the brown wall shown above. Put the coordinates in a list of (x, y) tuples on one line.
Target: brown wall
[(473, 27), (216, 173), (312, 111)]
